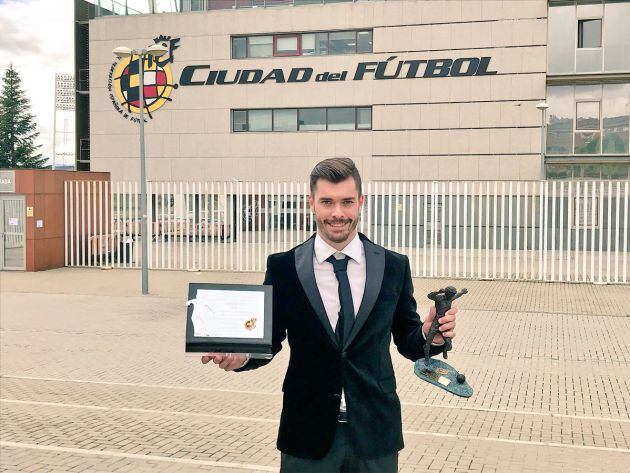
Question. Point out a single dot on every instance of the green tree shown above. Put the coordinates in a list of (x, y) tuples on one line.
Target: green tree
[(17, 126)]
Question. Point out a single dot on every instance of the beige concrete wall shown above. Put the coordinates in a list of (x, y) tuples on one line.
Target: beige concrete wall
[(440, 128)]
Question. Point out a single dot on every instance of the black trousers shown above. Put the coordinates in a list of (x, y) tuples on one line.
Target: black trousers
[(340, 459)]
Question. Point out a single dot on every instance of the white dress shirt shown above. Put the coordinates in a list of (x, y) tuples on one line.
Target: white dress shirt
[(327, 282), (328, 285)]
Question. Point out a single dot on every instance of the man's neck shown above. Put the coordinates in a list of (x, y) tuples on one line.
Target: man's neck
[(341, 245)]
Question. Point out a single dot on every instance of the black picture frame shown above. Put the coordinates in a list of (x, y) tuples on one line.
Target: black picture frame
[(257, 348)]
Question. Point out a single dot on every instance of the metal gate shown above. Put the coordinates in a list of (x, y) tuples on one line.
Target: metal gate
[(12, 235)]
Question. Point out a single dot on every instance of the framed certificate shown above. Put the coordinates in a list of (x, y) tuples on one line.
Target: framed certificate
[(229, 318)]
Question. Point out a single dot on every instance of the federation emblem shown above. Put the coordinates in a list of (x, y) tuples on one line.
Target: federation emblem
[(124, 81), (251, 324)]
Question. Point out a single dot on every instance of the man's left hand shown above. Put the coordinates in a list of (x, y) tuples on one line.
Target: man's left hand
[(447, 325)]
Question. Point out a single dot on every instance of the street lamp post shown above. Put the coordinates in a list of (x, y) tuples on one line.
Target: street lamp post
[(542, 106), (155, 51)]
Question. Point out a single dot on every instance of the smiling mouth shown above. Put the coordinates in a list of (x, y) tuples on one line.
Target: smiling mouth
[(337, 224)]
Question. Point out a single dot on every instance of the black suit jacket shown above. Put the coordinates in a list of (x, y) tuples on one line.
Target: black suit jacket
[(319, 367)]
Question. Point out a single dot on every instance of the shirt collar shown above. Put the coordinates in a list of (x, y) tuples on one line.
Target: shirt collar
[(354, 249)]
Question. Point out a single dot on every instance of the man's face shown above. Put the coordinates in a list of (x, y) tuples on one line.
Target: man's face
[(336, 208)]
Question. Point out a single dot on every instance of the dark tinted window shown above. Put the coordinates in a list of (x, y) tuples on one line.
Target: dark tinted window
[(239, 48), (313, 119), (239, 120), (342, 42)]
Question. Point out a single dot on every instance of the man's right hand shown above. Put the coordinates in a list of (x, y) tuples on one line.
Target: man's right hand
[(226, 361)]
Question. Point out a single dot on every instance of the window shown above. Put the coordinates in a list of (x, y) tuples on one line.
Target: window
[(560, 119), (239, 48), (285, 119), (287, 45), (588, 119), (303, 44), (259, 120), (616, 171), (364, 41), (314, 44), (304, 119), (590, 33), (616, 118), (239, 120), (587, 116), (260, 46), (197, 5), (588, 36), (616, 37), (364, 118), (312, 119), (341, 119), (343, 42), (587, 142)]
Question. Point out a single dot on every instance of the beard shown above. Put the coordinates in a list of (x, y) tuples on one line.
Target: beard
[(337, 235)]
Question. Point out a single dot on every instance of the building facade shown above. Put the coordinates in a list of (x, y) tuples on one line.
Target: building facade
[(588, 90), (411, 90)]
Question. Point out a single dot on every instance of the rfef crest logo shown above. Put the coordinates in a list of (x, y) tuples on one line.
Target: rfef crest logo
[(124, 81)]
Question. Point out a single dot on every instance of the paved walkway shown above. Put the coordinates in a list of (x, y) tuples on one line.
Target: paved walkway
[(94, 378)]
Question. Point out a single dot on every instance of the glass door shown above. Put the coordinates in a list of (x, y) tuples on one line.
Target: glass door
[(12, 234)]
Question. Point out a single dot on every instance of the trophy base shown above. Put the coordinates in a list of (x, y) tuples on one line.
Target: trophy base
[(443, 376)]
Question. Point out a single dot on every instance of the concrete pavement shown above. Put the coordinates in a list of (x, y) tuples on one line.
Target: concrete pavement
[(94, 378)]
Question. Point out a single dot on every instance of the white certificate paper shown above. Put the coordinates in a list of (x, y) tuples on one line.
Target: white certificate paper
[(228, 314)]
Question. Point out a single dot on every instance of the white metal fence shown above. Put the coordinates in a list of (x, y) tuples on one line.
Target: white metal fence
[(541, 230)]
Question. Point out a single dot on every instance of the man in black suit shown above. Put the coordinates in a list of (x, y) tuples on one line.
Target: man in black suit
[(339, 299)]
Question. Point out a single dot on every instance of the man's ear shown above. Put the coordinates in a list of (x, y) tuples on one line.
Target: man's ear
[(361, 200), (310, 201)]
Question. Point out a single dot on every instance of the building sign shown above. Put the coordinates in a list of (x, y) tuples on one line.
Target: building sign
[(378, 70), (124, 81), (7, 181), (123, 84)]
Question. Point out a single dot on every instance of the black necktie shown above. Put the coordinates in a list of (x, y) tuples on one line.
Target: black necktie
[(346, 314)]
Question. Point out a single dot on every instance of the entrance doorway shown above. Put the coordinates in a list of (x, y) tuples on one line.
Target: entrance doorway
[(12, 233)]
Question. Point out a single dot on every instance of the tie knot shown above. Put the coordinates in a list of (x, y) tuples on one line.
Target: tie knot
[(339, 263)]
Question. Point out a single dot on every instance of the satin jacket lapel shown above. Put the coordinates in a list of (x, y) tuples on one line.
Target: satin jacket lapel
[(306, 274), (374, 270)]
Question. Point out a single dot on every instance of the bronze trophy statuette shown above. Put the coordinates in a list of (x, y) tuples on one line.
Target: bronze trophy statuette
[(438, 372)]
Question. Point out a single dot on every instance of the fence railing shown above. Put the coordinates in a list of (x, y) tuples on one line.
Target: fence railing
[(527, 230)]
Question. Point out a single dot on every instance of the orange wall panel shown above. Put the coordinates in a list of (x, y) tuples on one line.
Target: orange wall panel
[(44, 191)]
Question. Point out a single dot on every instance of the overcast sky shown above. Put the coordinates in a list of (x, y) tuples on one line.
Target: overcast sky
[(37, 37)]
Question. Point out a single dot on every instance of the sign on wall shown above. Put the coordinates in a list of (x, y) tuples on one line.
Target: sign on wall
[(123, 84), (391, 68), (7, 181)]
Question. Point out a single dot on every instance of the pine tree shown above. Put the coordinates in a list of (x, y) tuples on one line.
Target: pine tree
[(17, 126)]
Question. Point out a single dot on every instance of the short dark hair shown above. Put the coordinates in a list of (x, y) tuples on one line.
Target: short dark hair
[(335, 170)]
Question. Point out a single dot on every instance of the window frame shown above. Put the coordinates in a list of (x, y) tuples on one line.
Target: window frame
[(298, 110), (356, 118), (601, 34), (599, 119), (257, 57), (313, 108), (246, 38), (298, 35), (597, 131), (273, 120), (356, 41), (246, 111), (298, 51), (343, 129)]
